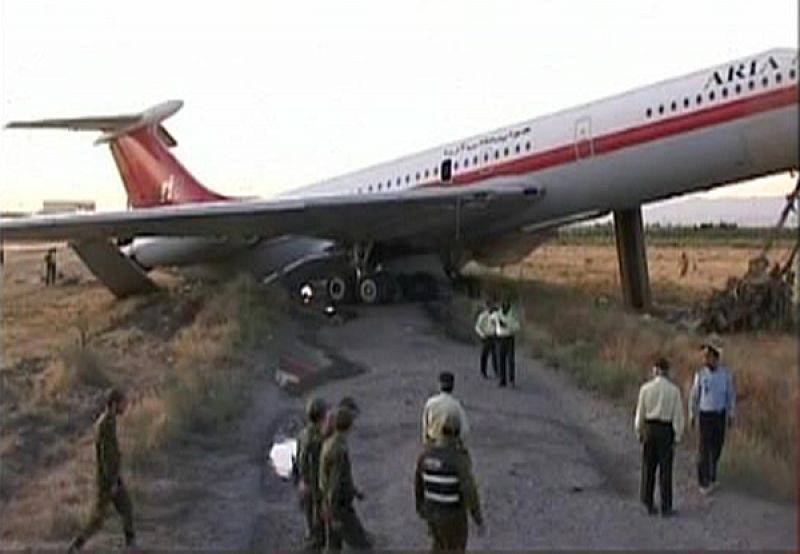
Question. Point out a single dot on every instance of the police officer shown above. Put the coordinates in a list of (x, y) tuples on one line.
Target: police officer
[(659, 425), (486, 329), (444, 490), (712, 402), (309, 447), (110, 487), (439, 407), (338, 491), (507, 326)]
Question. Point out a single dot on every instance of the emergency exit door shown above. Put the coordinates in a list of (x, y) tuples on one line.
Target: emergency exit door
[(584, 145)]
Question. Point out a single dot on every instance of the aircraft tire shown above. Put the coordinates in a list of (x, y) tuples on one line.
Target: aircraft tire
[(341, 289), (368, 290)]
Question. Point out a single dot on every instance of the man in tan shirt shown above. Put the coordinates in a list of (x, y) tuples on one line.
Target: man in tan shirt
[(659, 425), (438, 407)]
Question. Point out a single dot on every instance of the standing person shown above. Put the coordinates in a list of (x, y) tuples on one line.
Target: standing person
[(329, 424), (659, 425), (338, 491), (309, 448), (439, 407), (444, 490), (712, 401), (110, 487), (50, 267), (507, 326), (486, 329)]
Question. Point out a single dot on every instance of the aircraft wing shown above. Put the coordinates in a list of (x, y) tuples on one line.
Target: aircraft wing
[(418, 218)]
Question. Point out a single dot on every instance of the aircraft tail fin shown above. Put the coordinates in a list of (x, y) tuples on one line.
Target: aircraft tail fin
[(140, 146)]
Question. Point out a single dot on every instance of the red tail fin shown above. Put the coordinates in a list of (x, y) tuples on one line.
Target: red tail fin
[(139, 143), (152, 176)]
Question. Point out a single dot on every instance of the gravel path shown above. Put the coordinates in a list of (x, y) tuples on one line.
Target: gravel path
[(557, 467)]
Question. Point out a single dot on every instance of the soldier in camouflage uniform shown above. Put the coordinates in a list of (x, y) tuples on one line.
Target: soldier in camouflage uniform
[(309, 447), (110, 487), (445, 491), (338, 491)]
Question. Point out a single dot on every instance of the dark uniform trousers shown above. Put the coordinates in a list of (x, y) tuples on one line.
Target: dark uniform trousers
[(489, 348), (122, 503), (449, 532), (506, 359), (345, 527), (712, 437), (657, 454)]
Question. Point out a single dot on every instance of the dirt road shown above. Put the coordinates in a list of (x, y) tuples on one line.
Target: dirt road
[(557, 468)]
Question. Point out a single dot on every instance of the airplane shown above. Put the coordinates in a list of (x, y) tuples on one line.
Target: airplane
[(491, 197)]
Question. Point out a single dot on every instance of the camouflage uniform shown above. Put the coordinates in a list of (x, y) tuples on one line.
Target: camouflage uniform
[(309, 447), (110, 488), (338, 491), (445, 491)]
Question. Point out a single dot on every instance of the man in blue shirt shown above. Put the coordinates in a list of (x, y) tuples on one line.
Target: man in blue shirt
[(712, 402)]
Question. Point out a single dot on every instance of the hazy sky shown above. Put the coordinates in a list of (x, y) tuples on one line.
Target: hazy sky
[(280, 94)]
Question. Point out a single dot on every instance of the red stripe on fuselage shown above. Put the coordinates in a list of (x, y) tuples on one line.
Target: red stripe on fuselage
[(634, 136)]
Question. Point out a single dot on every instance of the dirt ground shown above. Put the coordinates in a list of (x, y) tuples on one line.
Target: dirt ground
[(556, 467)]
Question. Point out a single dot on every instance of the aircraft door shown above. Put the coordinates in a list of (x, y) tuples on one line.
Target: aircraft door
[(584, 144)]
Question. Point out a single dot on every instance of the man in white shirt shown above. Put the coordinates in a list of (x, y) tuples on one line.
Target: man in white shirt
[(659, 424), (438, 407), (486, 329)]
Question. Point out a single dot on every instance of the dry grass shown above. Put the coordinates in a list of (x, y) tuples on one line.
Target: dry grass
[(575, 321), (185, 357)]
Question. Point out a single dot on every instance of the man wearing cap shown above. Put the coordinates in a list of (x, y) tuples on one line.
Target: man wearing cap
[(110, 487), (659, 425), (445, 491), (309, 447), (438, 407), (342, 524), (712, 402)]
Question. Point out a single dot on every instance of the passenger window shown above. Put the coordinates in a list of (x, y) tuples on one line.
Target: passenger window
[(751, 85), (686, 102), (516, 149), (792, 73), (778, 77), (527, 146), (505, 151), (408, 178), (699, 99), (496, 154), (418, 176), (765, 81), (475, 160), (724, 92), (426, 173), (435, 171), (661, 109), (674, 106), (738, 89), (486, 157), (711, 95)]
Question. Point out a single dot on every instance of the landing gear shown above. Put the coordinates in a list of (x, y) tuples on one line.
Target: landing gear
[(377, 288), (342, 288)]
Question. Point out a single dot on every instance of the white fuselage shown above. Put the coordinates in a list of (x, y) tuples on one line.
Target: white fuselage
[(712, 127), (709, 128)]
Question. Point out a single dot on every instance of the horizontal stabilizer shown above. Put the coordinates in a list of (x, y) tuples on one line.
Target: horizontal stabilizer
[(111, 125)]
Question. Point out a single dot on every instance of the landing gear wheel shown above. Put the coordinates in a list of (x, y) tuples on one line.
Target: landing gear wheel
[(340, 288), (368, 291)]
